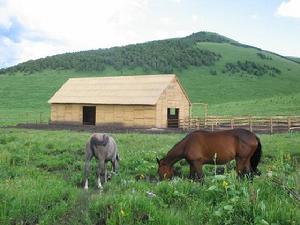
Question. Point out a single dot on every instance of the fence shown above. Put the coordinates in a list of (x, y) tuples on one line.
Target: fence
[(262, 124), (271, 124), (25, 118)]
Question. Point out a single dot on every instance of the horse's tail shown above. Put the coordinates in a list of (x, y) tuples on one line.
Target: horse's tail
[(255, 159)]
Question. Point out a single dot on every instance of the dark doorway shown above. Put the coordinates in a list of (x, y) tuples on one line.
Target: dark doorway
[(173, 118), (89, 115)]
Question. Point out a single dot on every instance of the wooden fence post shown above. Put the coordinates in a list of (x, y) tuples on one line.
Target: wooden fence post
[(232, 123), (271, 125), (250, 123), (289, 123)]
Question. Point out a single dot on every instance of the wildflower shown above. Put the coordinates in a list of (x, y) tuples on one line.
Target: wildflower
[(270, 173), (150, 194), (253, 195), (215, 158), (288, 157), (225, 184), (122, 212)]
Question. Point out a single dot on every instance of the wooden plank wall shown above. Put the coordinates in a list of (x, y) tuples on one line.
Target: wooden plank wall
[(110, 115), (126, 115), (71, 113)]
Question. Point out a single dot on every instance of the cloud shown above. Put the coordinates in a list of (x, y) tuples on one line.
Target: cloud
[(254, 16), (289, 8), (81, 24), (177, 1), (31, 29)]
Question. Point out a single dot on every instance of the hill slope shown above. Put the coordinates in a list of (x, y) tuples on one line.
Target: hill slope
[(162, 56), (234, 79)]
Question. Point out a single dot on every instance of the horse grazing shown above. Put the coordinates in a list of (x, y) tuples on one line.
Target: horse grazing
[(203, 147), (103, 148)]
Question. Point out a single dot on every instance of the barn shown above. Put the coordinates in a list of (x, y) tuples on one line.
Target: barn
[(147, 101)]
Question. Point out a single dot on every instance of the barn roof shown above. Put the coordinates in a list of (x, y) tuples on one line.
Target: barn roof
[(123, 90)]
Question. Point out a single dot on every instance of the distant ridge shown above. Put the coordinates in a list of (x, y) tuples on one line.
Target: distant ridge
[(162, 56)]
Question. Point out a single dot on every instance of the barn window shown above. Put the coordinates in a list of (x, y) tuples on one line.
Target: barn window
[(173, 111)]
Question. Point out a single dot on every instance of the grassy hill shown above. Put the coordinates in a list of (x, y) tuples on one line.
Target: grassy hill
[(295, 59), (234, 79)]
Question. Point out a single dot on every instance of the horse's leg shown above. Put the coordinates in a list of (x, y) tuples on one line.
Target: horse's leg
[(197, 165), (248, 170), (115, 165), (105, 173), (101, 173), (242, 167), (88, 157), (115, 161), (192, 172)]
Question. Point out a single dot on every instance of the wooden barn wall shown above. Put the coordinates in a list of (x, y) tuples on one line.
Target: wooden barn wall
[(66, 113), (126, 115), (110, 115), (172, 97)]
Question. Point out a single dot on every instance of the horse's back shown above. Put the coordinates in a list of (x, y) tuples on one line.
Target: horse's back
[(242, 134), (206, 146), (245, 136), (109, 151)]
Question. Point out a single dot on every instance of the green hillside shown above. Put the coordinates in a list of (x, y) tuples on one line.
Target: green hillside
[(234, 79), (296, 59)]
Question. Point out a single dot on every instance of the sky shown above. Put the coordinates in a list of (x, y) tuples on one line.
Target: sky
[(31, 29)]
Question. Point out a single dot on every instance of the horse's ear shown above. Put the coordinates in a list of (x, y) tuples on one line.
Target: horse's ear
[(105, 139), (157, 159)]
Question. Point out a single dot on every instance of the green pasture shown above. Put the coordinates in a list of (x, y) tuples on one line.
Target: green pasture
[(41, 183), (23, 97)]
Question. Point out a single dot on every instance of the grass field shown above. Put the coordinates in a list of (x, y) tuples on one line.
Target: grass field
[(225, 95), (41, 183)]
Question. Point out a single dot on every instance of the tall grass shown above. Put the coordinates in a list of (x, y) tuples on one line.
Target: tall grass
[(41, 183)]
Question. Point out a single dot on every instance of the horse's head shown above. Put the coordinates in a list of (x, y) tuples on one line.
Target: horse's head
[(99, 139), (105, 139), (164, 171)]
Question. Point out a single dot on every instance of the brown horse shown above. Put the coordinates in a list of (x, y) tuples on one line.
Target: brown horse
[(203, 147)]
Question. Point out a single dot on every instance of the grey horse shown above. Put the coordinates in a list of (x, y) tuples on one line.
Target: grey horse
[(104, 148)]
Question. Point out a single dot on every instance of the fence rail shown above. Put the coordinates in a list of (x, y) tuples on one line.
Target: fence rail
[(271, 124), (25, 118)]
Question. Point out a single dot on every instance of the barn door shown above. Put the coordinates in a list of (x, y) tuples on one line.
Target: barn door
[(173, 117), (89, 115)]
